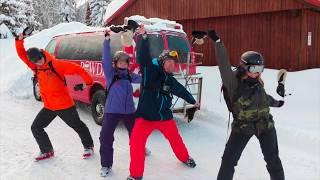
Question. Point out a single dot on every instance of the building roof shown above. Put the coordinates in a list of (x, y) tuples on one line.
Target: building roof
[(117, 7)]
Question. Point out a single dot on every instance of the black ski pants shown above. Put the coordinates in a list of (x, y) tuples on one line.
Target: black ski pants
[(70, 116), (238, 141)]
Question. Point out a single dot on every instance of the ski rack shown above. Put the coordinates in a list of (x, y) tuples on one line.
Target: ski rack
[(190, 80)]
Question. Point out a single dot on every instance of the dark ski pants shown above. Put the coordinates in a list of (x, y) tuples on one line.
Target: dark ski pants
[(140, 133), (109, 125), (235, 145), (70, 116)]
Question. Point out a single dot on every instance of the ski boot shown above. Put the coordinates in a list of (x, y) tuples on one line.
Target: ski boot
[(190, 163)]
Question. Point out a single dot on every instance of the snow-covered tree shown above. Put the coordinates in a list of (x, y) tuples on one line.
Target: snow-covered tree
[(88, 14), (17, 14), (98, 10), (68, 10)]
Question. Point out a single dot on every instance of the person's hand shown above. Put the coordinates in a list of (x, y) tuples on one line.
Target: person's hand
[(141, 29), (213, 35), (20, 36), (281, 103), (281, 90), (79, 87), (197, 105), (107, 34)]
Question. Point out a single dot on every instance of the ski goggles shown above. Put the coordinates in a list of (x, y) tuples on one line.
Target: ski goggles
[(173, 53), (255, 68)]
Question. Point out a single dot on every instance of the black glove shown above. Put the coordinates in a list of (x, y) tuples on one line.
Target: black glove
[(133, 25), (116, 29), (281, 90), (190, 113), (78, 87), (281, 103), (106, 33), (27, 31), (213, 35), (198, 34)]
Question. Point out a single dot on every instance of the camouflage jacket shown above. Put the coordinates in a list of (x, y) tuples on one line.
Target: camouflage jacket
[(250, 102)]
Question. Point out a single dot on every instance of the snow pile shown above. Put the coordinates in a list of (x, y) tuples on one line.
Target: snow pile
[(157, 24), (15, 76), (297, 124), (4, 31)]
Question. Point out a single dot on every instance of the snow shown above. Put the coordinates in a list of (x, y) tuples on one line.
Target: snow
[(113, 7), (4, 31), (157, 24), (297, 124)]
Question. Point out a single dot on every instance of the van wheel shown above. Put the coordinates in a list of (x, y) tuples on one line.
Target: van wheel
[(36, 89), (97, 106)]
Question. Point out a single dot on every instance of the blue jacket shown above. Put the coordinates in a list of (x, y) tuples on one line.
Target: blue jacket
[(155, 103), (120, 99)]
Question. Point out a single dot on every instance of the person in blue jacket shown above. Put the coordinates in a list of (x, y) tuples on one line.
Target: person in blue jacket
[(119, 101), (154, 107)]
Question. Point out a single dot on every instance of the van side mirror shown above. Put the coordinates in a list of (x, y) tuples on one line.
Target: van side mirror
[(198, 37)]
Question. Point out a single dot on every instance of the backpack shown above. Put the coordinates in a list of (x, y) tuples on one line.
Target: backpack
[(116, 78), (63, 79)]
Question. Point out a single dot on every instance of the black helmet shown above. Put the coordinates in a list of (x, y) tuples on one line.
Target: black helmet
[(34, 54), (165, 55), (121, 56), (251, 58)]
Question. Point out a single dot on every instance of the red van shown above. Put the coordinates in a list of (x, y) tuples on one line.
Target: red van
[(85, 49)]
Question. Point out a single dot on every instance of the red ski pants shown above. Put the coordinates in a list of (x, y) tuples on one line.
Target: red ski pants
[(140, 133)]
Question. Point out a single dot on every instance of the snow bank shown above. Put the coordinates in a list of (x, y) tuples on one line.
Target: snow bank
[(4, 31), (15, 76)]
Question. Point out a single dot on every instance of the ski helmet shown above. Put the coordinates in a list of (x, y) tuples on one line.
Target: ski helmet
[(166, 55), (34, 54), (252, 58), (121, 56), (252, 62)]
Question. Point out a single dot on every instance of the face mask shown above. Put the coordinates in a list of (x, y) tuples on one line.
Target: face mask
[(252, 81)]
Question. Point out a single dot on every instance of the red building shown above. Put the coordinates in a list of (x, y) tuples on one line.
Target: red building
[(286, 32)]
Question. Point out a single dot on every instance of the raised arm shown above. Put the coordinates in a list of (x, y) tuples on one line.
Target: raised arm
[(143, 49), (228, 77), (23, 54), (107, 61)]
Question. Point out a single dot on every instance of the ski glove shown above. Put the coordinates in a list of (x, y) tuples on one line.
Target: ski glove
[(79, 87), (27, 31), (213, 35), (190, 113), (280, 103), (116, 29), (281, 90)]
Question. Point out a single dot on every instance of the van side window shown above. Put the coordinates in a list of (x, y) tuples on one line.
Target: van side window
[(87, 48), (51, 46), (179, 44), (155, 43)]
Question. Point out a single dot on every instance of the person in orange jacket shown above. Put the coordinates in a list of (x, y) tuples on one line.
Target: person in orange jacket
[(55, 96)]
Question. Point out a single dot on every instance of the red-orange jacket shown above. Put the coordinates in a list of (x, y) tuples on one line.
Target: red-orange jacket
[(54, 93)]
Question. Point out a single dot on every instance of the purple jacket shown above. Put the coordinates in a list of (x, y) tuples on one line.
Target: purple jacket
[(120, 99)]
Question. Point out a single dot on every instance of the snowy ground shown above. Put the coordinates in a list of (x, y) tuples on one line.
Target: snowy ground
[(297, 123)]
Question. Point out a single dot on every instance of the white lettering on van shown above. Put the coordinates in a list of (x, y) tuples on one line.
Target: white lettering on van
[(94, 68)]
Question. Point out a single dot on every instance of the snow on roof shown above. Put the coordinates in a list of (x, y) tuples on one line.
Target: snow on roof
[(157, 24), (113, 7)]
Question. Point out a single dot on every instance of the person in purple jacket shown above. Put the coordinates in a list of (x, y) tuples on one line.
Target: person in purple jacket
[(119, 101)]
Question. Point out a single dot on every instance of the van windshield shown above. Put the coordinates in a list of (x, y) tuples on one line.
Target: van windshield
[(155, 43), (179, 44)]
